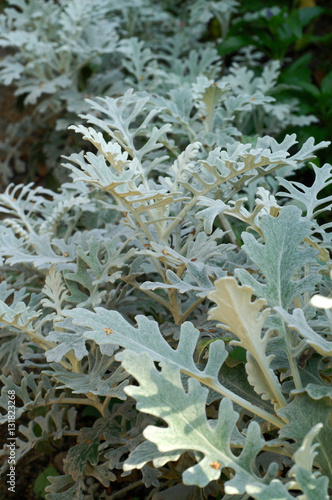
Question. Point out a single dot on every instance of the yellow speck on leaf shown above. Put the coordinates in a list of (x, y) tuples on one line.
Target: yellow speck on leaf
[(66, 254), (215, 465), (164, 252), (108, 331)]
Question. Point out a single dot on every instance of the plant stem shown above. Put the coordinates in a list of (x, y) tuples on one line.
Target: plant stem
[(105, 411), (237, 399), (151, 294), (175, 306), (291, 360), (67, 401), (131, 486), (198, 228), (187, 313), (227, 226), (306, 296)]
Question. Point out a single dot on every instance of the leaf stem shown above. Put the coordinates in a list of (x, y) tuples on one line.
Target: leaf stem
[(238, 400), (151, 294), (228, 227), (119, 494), (187, 313), (292, 363)]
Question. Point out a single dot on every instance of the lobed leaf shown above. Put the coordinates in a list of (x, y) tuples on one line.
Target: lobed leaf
[(280, 257), (161, 393)]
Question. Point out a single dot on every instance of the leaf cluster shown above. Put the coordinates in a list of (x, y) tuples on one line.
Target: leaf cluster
[(168, 288)]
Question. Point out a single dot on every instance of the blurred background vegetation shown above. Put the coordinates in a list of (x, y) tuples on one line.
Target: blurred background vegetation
[(297, 33)]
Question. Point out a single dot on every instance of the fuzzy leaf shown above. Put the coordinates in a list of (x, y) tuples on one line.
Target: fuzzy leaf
[(109, 327), (88, 448), (208, 215), (27, 392), (308, 196), (67, 341), (95, 380), (275, 491), (44, 255), (65, 488), (280, 257), (41, 428), (10, 351), (18, 314), (148, 452), (312, 486), (200, 273), (297, 322), (162, 394), (245, 319), (303, 413), (55, 290), (121, 113)]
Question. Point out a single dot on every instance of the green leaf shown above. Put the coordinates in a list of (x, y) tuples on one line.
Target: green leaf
[(307, 14), (280, 257), (235, 378), (326, 86), (298, 72), (42, 480), (87, 451), (233, 44)]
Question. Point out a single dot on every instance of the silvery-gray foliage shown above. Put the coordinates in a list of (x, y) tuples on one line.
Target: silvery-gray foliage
[(58, 53), (121, 250), (168, 290)]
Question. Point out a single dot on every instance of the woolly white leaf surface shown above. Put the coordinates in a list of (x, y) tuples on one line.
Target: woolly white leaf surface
[(162, 394)]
